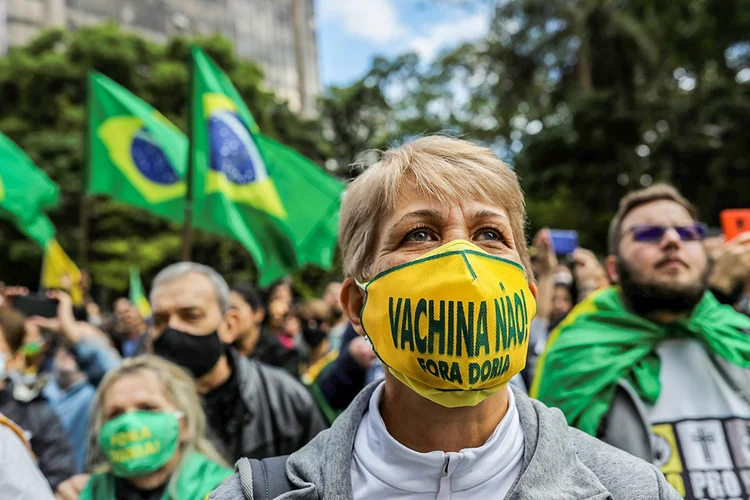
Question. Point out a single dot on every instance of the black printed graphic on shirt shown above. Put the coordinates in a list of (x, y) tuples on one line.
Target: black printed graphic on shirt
[(705, 458)]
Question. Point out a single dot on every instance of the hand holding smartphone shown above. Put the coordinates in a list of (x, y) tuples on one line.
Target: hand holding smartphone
[(36, 305), (564, 241), (735, 222)]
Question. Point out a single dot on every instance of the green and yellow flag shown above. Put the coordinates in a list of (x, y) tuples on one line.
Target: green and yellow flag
[(137, 297), (59, 271), (25, 190), (277, 203), (136, 155), (25, 194)]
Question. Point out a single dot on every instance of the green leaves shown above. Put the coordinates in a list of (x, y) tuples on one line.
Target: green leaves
[(42, 108)]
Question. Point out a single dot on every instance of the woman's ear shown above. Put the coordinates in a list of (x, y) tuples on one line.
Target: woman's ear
[(352, 299), (534, 290)]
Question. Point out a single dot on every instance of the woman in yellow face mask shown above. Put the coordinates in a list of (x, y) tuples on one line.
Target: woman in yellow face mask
[(148, 437), (439, 283)]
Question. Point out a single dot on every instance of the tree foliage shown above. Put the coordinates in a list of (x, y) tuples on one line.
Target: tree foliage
[(589, 99), (43, 95)]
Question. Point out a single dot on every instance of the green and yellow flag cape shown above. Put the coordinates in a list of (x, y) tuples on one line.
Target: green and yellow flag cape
[(601, 342)]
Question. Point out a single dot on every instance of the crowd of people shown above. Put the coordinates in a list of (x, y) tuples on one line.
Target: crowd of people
[(420, 364)]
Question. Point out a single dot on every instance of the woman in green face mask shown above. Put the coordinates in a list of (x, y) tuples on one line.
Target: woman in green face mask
[(148, 437)]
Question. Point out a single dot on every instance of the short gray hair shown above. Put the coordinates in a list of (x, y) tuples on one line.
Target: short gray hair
[(177, 271)]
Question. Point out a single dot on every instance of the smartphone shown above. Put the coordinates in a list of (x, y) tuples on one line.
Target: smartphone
[(564, 241), (734, 222), (31, 305)]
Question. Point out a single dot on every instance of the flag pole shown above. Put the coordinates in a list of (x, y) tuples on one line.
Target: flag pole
[(187, 227), (84, 219)]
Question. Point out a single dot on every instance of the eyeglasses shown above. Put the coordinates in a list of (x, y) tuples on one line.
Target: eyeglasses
[(654, 234)]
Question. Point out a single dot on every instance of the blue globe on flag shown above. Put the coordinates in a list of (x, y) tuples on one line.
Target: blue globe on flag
[(233, 151), (150, 159)]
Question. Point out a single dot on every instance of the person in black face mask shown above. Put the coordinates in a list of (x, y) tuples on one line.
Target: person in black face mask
[(254, 410)]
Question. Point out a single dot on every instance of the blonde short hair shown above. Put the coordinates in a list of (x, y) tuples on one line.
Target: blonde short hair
[(179, 388), (444, 168)]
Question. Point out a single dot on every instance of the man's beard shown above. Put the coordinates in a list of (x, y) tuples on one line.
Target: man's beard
[(647, 298)]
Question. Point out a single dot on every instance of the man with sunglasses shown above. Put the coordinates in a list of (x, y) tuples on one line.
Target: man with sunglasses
[(656, 365)]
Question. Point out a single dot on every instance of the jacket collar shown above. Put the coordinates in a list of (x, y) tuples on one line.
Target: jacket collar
[(247, 379), (550, 461)]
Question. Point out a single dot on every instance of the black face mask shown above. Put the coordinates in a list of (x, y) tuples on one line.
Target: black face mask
[(313, 336), (196, 353)]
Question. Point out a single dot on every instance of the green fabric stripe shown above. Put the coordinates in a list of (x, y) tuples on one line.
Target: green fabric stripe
[(603, 343)]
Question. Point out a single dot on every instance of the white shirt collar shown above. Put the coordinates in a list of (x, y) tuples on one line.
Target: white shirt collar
[(406, 469)]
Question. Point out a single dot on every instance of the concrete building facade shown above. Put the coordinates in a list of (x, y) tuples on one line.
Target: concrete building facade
[(280, 35)]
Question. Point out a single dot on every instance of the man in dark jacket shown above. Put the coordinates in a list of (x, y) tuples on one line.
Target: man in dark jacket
[(253, 409), (29, 410)]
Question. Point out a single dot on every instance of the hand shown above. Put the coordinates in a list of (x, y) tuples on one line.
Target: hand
[(545, 254), (9, 293), (71, 489), (65, 315), (362, 352), (731, 264), (588, 272), (51, 324)]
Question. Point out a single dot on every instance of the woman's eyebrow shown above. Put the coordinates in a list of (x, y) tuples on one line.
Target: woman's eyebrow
[(487, 214), (419, 214)]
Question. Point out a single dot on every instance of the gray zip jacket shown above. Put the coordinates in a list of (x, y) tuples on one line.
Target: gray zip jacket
[(559, 462)]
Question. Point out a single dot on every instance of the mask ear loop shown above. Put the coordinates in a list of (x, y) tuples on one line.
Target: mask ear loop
[(363, 287)]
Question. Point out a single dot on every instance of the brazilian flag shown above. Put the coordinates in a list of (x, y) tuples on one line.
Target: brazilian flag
[(25, 194), (136, 155), (137, 296), (281, 206)]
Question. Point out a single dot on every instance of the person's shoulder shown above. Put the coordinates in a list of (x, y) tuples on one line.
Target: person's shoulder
[(12, 435), (280, 379), (622, 474)]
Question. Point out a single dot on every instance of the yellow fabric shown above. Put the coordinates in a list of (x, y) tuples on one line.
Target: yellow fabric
[(59, 272), (144, 308), (453, 325)]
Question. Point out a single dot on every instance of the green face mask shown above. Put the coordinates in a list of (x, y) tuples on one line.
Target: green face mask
[(139, 442), (32, 348)]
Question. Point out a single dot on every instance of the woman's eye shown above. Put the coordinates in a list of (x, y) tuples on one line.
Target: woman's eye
[(112, 415), (489, 235), (419, 235)]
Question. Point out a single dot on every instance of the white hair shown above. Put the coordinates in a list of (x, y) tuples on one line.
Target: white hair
[(177, 271)]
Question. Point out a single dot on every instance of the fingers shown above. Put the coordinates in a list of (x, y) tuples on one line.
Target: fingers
[(11, 292), (72, 488), (66, 491), (51, 324), (583, 256), (542, 239), (742, 238), (59, 295)]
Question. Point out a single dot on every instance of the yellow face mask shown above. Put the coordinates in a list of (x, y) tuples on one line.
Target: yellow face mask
[(452, 325)]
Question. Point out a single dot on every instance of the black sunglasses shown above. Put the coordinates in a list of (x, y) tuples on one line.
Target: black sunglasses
[(654, 234)]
